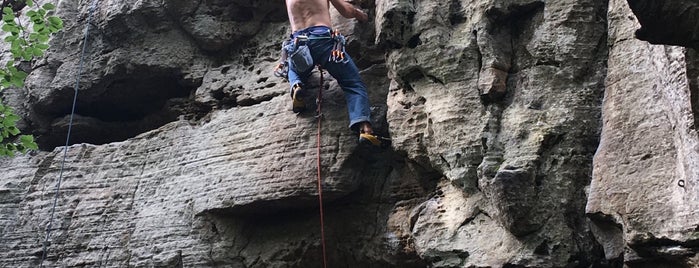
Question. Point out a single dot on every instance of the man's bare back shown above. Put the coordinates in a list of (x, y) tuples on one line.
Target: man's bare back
[(307, 13)]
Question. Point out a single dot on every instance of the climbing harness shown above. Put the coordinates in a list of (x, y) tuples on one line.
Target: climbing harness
[(296, 54), (319, 115), (70, 126)]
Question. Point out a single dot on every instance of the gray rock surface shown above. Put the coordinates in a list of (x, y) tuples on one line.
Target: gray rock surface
[(521, 160), (524, 133), (643, 197), (667, 22)]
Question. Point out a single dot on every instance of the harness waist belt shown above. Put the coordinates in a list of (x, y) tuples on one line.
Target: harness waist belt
[(320, 30)]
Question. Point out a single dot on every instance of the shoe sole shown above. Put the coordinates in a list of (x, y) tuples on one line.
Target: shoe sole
[(369, 139), (297, 104)]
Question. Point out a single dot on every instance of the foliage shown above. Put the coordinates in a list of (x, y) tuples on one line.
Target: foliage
[(25, 43)]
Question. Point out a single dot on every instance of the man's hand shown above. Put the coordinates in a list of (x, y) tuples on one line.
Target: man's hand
[(360, 15), (348, 10)]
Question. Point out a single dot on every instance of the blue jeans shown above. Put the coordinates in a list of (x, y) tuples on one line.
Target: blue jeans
[(346, 73)]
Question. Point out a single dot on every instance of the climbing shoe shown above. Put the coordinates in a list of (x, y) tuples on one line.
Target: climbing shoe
[(297, 103), (373, 140)]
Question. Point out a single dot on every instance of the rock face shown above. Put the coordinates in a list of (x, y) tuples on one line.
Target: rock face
[(667, 22), (524, 134), (502, 103), (643, 197)]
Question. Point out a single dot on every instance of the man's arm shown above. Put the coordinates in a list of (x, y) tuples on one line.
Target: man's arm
[(347, 10)]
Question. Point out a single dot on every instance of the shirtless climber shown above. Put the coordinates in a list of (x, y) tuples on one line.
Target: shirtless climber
[(311, 25)]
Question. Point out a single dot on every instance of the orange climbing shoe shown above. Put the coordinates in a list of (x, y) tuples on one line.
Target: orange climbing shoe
[(373, 140), (369, 139), (297, 103)]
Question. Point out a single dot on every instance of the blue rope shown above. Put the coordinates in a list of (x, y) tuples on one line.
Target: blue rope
[(70, 127)]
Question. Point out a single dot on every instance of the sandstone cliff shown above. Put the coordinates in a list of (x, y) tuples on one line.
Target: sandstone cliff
[(526, 133)]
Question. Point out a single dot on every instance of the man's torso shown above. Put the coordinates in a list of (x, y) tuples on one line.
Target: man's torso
[(307, 13)]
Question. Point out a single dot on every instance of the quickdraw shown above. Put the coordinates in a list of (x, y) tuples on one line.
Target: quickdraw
[(338, 52), (282, 69)]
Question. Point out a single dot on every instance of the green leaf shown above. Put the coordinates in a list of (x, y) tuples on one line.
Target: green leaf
[(41, 29), (27, 55), (11, 28), (7, 10), (31, 13), (49, 6), (4, 152), (10, 38), (42, 12), (16, 81), (12, 118), (53, 29), (26, 139), (56, 21), (8, 17), (37, 52), (7, 27), (28, 142), (21, 74), (42, 46), (32, 146), (13, 130), (11, 148), (16, 43), (30, 3), (16, 53)]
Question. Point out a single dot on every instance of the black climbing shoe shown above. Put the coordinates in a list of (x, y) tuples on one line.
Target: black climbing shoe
[(297, 103)]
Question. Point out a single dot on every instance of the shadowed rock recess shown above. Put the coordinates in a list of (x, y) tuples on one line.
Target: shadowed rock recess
[(525, 133)]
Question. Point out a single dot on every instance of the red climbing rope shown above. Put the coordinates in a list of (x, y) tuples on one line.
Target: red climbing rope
[(319, 102)]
